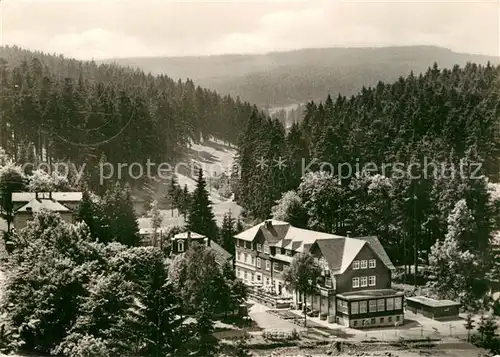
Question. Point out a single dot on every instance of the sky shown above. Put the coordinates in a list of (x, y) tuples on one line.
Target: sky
[(139, 28)]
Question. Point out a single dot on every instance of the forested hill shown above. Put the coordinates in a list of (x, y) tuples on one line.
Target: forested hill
[(439, 117), (84, 112), (278, 79)]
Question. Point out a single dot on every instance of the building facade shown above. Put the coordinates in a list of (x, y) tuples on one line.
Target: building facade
[(355, 284), (26, 204)]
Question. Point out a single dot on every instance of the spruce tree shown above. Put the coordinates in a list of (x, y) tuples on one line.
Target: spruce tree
[(201, 218), (227, 232)]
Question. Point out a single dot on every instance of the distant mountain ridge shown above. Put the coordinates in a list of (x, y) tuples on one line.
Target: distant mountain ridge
[(277, 79)]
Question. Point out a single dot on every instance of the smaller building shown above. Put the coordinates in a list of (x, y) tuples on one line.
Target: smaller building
[(26, 204), (431, 308), (181, 242)]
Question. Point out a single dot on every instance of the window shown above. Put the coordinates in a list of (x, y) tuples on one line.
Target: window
[(355, 282), (241, 242), (372, 321), (259, 247), (362, 307), (253, 260), (245, 275), (238, 272), (266, 249), (373, 305), (354, 308), (268, 282), (289, 252), (259, 277), (239, 256), (355, 264), (380, 305), (180, 246), (389, 319), (381, 320), (397, 317), (258, 262), (252, 277), (364, 264), (371, 263), (248, 245), (364, 281), (268, 265), (390, 304), (397, 303), (342, 305), (277, 266), (372, 280), (355, 323)]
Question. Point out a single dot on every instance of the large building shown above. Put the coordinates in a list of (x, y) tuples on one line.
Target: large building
[(26, 204), (355, 288)]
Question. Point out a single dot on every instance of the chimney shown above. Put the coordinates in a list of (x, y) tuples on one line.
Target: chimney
[(29, 209), (36, 195), (50, 195), (268, 224)]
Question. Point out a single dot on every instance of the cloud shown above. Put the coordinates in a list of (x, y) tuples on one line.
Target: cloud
[(86, 29)]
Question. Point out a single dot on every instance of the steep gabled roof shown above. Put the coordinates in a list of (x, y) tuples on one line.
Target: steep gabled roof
[(37, 205), (332, 250), (340, 252), (379, 250), (57, 196), (221, 255), (276, 233)]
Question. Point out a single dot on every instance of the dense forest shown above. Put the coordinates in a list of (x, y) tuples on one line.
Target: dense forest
[(278, 79), (446, 118), (57, 109)]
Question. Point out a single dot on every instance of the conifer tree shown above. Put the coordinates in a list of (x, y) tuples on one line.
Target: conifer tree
[(227, 232), (201, 218)]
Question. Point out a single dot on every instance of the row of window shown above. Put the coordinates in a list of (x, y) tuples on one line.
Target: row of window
[(373, 321), (251, 260), (245, 275), (364, 281), (362, 307), (251, 245), (364, 264)]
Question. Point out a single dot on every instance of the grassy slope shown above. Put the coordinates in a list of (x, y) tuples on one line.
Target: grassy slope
[(213, 157), (281, 78)]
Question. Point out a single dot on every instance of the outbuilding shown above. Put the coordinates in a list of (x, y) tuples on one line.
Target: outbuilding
[(431, 308)]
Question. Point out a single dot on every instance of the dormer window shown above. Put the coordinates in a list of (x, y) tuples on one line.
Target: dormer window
[(180, 246), (266, 249), (259, 247)]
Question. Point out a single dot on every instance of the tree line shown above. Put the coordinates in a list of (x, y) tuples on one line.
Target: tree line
[(57, 109)]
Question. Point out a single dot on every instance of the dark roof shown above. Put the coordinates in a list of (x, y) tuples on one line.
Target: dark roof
[(221, 255), (274, 233), (332, 250), (379, 250)]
